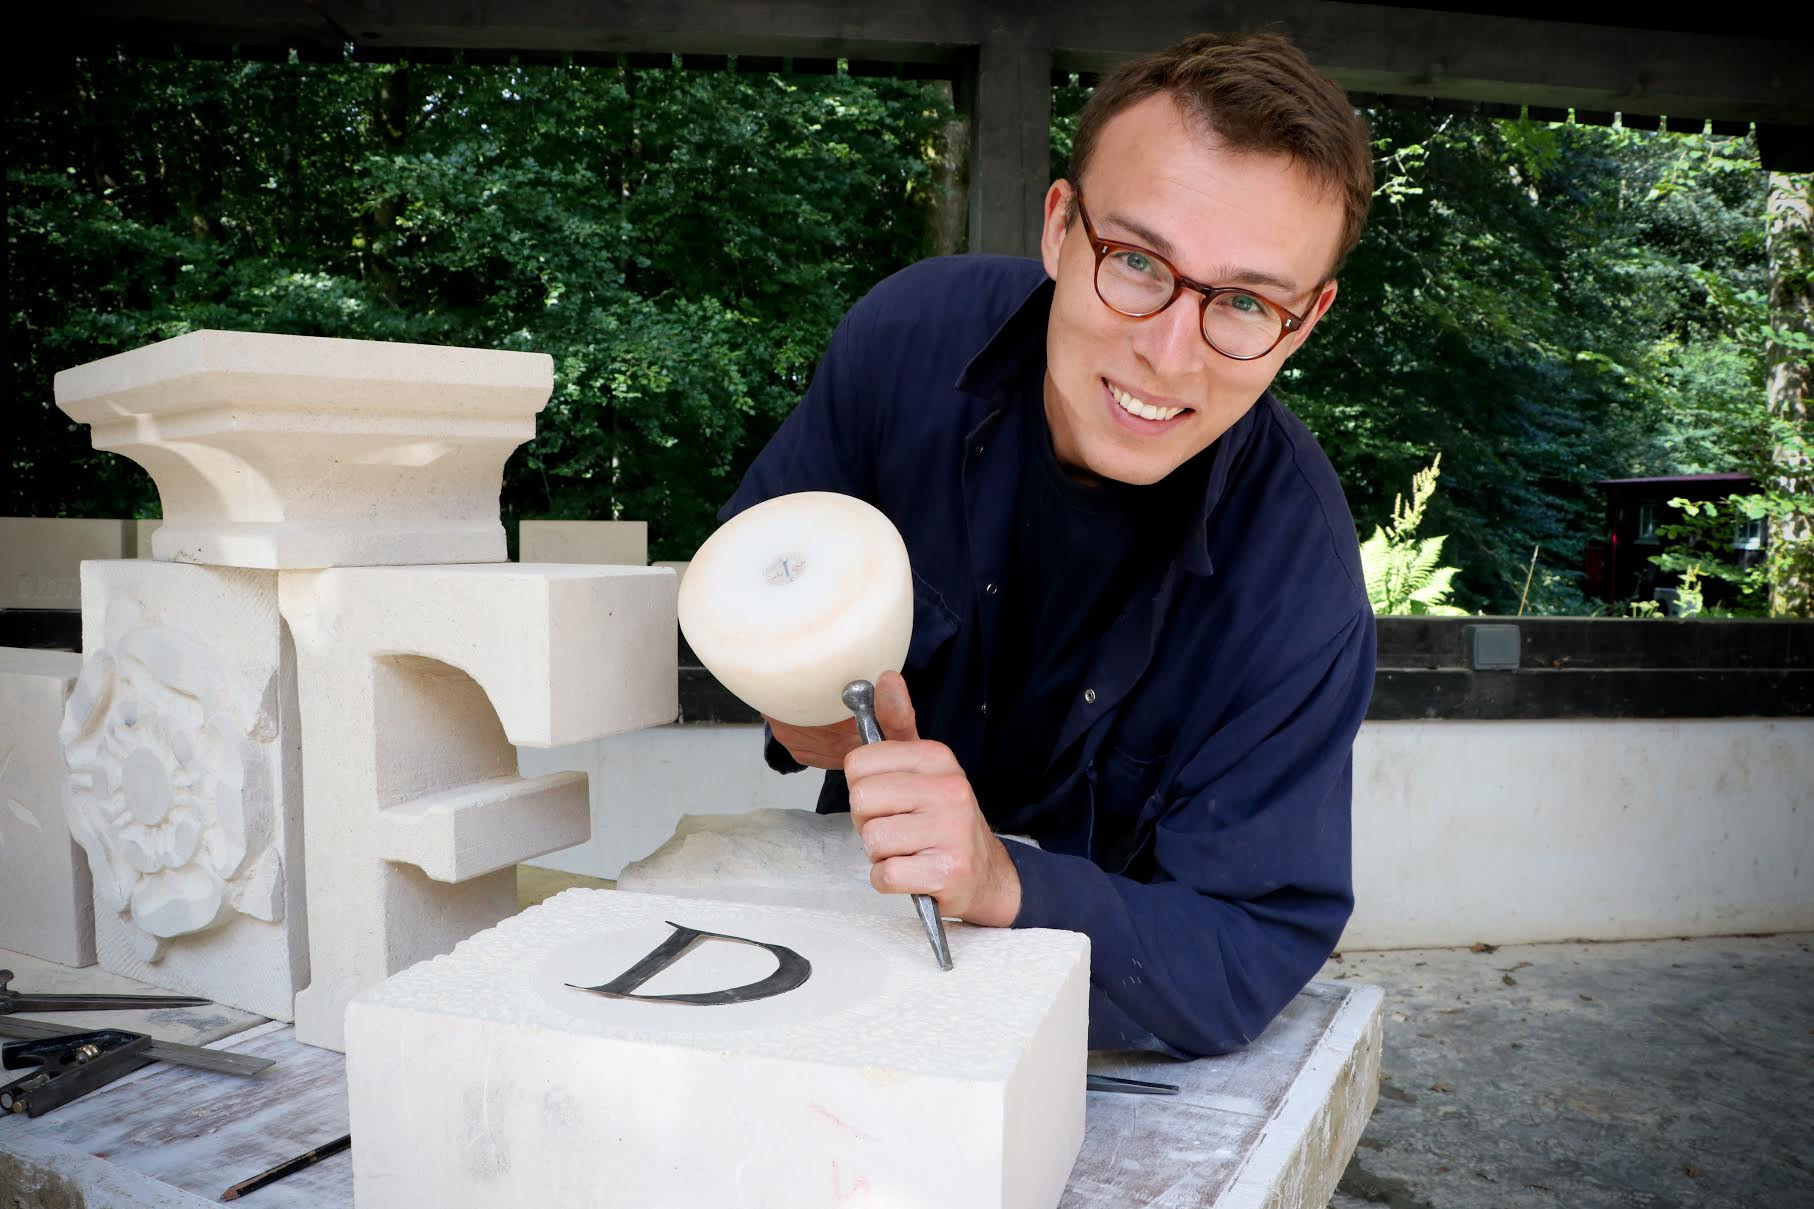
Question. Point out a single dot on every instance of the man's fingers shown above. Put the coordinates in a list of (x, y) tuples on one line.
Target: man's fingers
[(920, 756), (900, 790), (903, 834), (894, 708), (921, 873)]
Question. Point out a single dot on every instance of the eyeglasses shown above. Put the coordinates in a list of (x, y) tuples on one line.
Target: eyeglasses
[(1140, 283)]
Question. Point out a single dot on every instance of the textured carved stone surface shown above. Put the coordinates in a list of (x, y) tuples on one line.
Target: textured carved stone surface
[(481, 1078), (296, 451), (784, 858), (414, 684), (46, 900), (181, 741)]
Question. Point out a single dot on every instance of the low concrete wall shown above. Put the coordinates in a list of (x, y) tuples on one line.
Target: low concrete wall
[(1601, 830), (1463, 831)]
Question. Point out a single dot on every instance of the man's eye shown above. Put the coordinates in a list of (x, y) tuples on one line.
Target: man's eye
[(1137, 262), (1246, 303)]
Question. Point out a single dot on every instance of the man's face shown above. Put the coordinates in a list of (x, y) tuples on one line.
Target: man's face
[(1220, 217)]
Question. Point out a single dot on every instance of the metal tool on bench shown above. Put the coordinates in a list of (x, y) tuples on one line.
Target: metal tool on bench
[(69, 1067), (860, 696), (1132, 1087), (12, 1001), (223, 1062), (15, 1001)]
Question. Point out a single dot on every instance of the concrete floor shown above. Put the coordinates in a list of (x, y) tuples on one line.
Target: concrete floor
[(1644, 1073)]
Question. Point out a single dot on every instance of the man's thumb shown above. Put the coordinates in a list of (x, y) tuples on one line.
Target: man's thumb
[(894, 708)]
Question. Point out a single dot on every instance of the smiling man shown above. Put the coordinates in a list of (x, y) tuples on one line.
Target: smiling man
[(1140, 632)]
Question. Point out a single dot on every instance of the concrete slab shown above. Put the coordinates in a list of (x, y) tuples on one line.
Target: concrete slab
[(1591, 1076)]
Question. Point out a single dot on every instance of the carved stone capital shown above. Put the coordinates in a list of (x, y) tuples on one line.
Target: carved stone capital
[(298, 452)]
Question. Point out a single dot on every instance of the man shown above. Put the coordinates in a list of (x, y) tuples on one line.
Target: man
[(1140, 632)]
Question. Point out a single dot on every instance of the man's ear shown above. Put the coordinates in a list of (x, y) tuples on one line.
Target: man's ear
[(1051, 231), (1325, 298)]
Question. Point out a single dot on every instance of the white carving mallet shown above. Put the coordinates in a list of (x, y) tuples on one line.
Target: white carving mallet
[(797, 601)]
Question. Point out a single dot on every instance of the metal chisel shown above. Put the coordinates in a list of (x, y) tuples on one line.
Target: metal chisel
[(860, 696)]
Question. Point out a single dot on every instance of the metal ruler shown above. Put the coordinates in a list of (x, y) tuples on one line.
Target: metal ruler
[(223, 1061)]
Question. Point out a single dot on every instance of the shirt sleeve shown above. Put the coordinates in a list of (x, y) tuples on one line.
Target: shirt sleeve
[(1253, 882)]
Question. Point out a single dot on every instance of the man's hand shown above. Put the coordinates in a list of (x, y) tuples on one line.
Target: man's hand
[(816, 746), (920, 823)]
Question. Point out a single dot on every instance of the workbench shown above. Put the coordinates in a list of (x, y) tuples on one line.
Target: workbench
[(1271, 1125)]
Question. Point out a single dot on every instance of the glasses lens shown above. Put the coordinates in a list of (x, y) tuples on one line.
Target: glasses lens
[(1241, 325), (1132, 283)]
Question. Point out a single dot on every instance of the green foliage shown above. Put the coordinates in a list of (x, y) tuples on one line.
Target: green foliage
[(681, 242), (1549, 305), (1403, 571), (1782, 513)]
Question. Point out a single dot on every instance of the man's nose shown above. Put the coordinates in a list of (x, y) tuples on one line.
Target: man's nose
[(1172, 340)]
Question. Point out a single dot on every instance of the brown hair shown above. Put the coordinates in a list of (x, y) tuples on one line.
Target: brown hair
[(1257, 93)]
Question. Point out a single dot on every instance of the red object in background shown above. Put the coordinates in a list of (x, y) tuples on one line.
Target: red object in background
[(1618, 566)]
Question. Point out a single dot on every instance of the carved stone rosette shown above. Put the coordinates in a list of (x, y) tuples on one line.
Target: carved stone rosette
[(168, 789)]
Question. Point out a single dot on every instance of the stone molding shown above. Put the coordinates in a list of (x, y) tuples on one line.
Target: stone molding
[(301, 452)]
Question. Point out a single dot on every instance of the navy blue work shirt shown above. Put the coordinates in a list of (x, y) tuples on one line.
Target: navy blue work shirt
[(1194, 818)]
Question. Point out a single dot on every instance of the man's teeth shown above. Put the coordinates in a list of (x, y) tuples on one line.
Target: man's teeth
[(1146, 411)]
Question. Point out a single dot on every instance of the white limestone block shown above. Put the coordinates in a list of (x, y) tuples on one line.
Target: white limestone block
[(415, 682), (791, 600), (482, 1078), (300, 452), (678, 566), (46, 899), (184, 787), (606, 543), (41, 557), (785, 858)]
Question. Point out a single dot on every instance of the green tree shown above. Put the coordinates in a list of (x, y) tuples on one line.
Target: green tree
[(681, 242), (1549, 305)]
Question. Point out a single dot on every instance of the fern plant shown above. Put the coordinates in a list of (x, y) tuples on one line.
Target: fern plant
[(1403, 571)]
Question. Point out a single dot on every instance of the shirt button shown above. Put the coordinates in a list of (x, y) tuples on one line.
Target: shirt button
[(978, 449), (984, 707), (990, 590), (1089, 696)]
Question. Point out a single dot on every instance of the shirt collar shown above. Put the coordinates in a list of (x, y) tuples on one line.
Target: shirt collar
[(1016, 354)]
